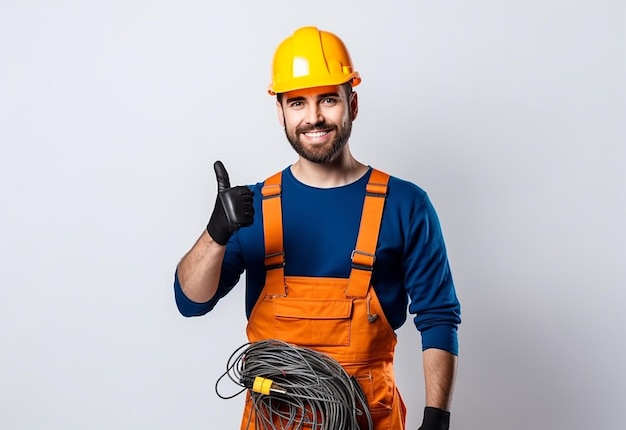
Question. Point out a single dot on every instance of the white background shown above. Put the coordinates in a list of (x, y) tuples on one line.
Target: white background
[(511, 114)]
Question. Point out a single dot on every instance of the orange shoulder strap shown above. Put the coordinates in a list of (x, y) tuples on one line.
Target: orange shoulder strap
[(273, 235), (364, 254)]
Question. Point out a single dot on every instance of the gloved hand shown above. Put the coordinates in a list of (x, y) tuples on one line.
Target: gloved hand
[(435, 419), (233, 207)]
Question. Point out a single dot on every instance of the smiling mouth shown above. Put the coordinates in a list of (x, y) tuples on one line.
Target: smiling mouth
[(316, 134)]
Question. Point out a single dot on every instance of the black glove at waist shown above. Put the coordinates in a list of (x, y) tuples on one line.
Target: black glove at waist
[(435, 419)]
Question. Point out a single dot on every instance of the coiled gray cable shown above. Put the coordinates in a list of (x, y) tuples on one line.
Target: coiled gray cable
[(296, 387)]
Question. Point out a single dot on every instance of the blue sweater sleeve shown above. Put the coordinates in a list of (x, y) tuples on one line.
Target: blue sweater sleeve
[(188, 307), (232, 268), (429, 281)]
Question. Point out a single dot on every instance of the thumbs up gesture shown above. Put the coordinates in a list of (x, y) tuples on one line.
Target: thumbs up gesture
[(233, 207)]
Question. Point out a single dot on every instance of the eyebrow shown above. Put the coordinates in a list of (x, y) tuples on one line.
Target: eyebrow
[(323, 96), (319, 97)]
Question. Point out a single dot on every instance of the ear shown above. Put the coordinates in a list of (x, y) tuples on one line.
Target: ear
[(280, 113), (354, 105)]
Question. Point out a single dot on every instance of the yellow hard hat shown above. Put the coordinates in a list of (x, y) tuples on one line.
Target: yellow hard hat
[(311, 58)]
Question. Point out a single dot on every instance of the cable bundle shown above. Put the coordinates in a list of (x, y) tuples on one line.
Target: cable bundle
[(296, 388)]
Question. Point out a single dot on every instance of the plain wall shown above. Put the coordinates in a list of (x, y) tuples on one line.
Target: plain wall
[(510, 114)]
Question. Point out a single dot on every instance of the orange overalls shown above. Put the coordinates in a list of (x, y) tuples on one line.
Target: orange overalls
[(339, 317)]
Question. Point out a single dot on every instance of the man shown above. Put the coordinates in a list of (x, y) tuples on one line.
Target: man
[(334, 251)]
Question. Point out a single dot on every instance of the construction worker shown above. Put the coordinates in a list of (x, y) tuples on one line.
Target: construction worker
[(334, 250)]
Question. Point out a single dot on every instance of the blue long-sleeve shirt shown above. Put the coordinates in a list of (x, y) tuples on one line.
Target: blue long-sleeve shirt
[(320, 230)]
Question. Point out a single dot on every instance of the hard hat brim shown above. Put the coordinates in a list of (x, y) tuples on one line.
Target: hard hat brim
[(299, 84)]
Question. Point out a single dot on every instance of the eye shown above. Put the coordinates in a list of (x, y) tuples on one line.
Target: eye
[(329, 101), (296, 104)]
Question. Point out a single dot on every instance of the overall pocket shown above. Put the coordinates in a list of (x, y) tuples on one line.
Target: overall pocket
[(309, 322)]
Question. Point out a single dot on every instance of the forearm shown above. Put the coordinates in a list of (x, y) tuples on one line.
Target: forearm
[(439, 377), (199, 270)]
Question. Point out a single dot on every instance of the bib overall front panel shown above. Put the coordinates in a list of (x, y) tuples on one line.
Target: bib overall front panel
[(339, 317)]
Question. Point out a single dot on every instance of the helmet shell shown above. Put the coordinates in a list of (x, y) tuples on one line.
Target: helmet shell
[(311, 58)]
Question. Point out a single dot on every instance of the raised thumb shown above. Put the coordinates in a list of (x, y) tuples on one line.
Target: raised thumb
[(222, 176)]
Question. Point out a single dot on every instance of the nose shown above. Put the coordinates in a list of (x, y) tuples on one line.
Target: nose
[(314, 114)]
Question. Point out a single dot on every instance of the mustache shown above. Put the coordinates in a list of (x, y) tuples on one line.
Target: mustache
[(320, 126)]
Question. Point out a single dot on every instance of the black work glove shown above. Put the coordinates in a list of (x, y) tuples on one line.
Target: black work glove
[(233, 207), (435, 419)]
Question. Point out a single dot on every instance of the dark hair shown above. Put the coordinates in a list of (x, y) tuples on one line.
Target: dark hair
[(347, 87)]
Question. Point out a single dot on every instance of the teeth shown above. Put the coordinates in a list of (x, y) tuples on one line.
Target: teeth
[(316, 134)]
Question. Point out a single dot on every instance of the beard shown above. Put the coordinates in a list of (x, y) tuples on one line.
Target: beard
[(324, 153)]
